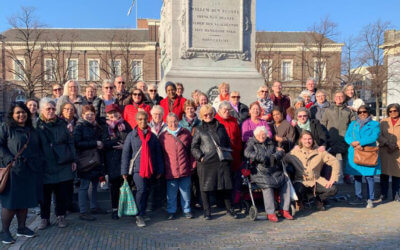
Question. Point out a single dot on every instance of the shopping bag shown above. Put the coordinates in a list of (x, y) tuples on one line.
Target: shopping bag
[(127, 205)]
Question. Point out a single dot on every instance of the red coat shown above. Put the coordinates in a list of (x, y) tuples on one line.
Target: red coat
[(130, 111), (178, 161), (232, 128), (178, 107)]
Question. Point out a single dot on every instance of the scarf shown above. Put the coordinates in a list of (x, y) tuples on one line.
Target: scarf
[(156, 126), (394, 121), (323, 105), (112, 124), (174, 133), (305, 126), (146, 166), (266, 104), (223, 98), (363, 122)]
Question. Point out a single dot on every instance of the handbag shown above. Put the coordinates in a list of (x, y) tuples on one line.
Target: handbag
[(5, 172), (224, 154), (132, 161), (366, 156), (126, 205), (88, 160)]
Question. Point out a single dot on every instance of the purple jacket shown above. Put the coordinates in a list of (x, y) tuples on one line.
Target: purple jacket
[(248, 126)]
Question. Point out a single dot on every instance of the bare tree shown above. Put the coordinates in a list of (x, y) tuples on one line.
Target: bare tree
[(268, 63), (351, 62), (27, 51), (109, 58)]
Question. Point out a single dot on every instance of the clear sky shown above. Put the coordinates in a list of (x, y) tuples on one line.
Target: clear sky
[(272, 15)]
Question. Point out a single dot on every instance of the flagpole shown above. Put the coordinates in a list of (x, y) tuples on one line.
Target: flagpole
[(136, 13)]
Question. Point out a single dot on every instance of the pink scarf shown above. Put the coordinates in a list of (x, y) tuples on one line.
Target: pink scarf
[(112, 124)]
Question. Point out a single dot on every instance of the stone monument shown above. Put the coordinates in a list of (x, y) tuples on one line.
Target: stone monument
[(206, 42)]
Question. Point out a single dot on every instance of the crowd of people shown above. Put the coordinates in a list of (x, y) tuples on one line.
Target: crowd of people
[(191, 151)]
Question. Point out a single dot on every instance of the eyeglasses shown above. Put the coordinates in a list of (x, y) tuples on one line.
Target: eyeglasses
[(59, 89), (235, 97), (137, 94), (109, 87), (362, 112), (393, 111), (152, 90), (208, 115), (121, 82), (302, 116), (50, 109), (263, 91)]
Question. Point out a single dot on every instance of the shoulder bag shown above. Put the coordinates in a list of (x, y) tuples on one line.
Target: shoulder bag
[(88, 160), (5, 172), (366, 156), (224, 154)]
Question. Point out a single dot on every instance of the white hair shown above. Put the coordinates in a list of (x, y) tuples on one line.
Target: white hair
[(46, 100), (107, 81), (305, 93), (224, 104), (259, 129), (66, 90), (157, 108), (172, 114)]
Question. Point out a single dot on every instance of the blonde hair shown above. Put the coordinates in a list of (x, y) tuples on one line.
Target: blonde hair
[(223, 84), (205, 109)]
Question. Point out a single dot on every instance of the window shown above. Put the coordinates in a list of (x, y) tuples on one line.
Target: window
[(115, 68), (94, 70), (19, 66), (50, 69), (319, 70), (287, 70), (137, 70), (266, 69), (72, 69)]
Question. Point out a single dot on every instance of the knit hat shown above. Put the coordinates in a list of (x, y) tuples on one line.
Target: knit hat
[(113, 108), (169, 84)]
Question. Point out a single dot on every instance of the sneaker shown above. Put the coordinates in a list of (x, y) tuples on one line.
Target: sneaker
[(171, 217), (285, 214), (140, 221), (61, 223), (7, 238), (44, 223), (87, 217), (188, 215), (272, 217), (370, 204), (114, 215), (26, 232), (97, 210), (207, 215), (231, 212)]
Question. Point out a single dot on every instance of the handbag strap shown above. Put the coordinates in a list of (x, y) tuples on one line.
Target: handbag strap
[(137, 154), (19, 153)]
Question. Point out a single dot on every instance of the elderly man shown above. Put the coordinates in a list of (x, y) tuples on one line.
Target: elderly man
[(152, 97), (318, 109), (239, 110), (310, 85), (102, 101), (336, 120), (89, 94), (122, 96), (279, 99)]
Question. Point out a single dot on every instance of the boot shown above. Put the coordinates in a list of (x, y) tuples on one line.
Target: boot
[(320, 205)]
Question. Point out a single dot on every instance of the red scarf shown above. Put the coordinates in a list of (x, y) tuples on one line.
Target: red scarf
[(146, 167), (394, 121), (224, 98)]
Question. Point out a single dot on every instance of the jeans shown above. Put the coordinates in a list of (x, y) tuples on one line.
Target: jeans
[(269, 198), (61, 190), (395, 186), (370, 186), (183, 184), (142, 193), (321, 192), (83, 195)]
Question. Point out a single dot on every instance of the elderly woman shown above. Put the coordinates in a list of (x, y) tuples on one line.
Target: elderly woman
[(239, 110), (214, 173), (33, 106), (362, 132), (195, 96), (23, 189), (113, 139), (265, 103), (68, 116), (178, 163), (291, 111), (223, 90), (308, 162), (306, 95), (318, 109), (284, 133), (352, 101), (268, 172), (189, 119), (143, 147), (88, 137), (203, 100), (157, 124), (389, 143), (152, 97), (71, 95), (254, 121), (137, 105), (59, 152), (105, 99), (172, 103), (313, 126), (57, 91)]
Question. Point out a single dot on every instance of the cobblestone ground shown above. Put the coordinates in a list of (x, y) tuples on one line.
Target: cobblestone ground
[(341, 226)]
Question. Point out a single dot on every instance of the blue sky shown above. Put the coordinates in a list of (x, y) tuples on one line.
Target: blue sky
[(272, 15)]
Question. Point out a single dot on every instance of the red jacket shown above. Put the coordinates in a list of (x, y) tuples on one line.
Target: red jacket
[(178, 161), (130, 111), (177, 107), (232, 128)]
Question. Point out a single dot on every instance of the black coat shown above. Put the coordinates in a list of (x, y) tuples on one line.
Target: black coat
[(86, 136), (24, 186), (150, 102), (213, 174), (112, 156), (266, 169), (243, 113), (318, 133)]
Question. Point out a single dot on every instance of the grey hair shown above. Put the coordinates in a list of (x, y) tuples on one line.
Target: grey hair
[(259, 129), (172, 114), (305, 92), (152, 85), (155, 108), (107, 81), (303, 109), (224, 104), (311, 79), (321, 91), (66, 91), (298, 99), (46, 100)]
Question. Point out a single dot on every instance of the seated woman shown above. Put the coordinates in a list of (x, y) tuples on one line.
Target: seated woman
[(268, 174), (308, 161)]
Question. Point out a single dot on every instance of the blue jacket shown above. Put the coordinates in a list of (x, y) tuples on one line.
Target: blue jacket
[(367, 136), (184, 124), (131, 146)]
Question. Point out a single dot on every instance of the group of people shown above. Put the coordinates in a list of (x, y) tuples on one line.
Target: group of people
[(173, 146)]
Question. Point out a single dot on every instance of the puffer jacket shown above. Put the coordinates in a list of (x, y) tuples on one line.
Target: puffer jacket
[(178, 160), (266, 170)]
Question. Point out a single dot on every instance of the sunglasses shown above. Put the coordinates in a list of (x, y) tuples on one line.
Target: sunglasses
[(393, 111), (302, 116), (208, 115), (59, 89), (263, 91), (152, 90), (50, 109), (137, 94), (235, 97), (109, 87), (362, 112), (121, 82)]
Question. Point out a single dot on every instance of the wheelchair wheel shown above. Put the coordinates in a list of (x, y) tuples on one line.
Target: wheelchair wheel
[(253, 213), (245, 207), (292, 209)]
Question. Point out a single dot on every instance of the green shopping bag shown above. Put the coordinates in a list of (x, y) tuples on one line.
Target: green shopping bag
[(127, 205)]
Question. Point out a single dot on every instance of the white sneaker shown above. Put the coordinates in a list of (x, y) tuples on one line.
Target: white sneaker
[(370, 204)]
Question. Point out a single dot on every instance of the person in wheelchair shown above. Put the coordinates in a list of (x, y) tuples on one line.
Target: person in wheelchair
[(267, 172), (307, 162)]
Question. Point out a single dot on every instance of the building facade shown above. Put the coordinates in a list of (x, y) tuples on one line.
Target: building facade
[(391, 49)]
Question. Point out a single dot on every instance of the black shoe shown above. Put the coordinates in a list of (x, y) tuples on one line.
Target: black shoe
[(7, 238), (114, 215), (231, 212), (207, 215), (87, 217), (26, 232), (188, 215), (171, 217), (97, 210)]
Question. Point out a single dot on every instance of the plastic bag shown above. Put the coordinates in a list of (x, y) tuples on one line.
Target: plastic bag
[(127, 205)]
